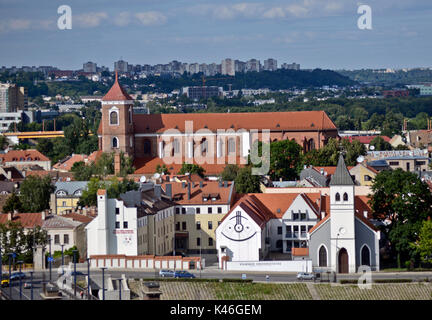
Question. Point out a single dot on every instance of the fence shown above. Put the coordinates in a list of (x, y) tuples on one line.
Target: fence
[(147, 262), (283, 266)]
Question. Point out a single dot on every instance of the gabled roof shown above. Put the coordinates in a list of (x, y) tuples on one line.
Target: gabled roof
[(341, 177), (117, 93), (27, 220), (275, 121), (23, 155)]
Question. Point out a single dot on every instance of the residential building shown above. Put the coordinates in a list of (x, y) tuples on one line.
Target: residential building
[(138, 222), (270, 64), (90, 67), (22, 159), (197, 93), (228, 67), (194, 68), (290, 66), (408, 163), (253, 65), (239, 66), (66, 196), (121, 66), (426, 90), (12, 97), (8, 118), (199, 209)]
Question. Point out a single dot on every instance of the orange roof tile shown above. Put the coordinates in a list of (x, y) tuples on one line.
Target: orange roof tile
[(148, 165), (209, 188), (78, 217), (23, 155), (27, 220), (275, 121), (117, 93)]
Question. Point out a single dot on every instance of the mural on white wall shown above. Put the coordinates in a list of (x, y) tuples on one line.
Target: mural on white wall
[(238, 228)]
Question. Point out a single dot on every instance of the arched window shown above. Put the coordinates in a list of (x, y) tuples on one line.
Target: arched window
[(115, 142), (322, 257), (345, 197), (231, 145), (147, 147), (365, 256), (113, 117), (61, 193), (130, 115), (131, 141), (204, 146), (337, 196)]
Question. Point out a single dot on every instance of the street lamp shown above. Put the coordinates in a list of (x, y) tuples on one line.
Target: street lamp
[(50, 258), (31, 285), (13, 254), (62, 246), (74, 257), (88, 278), (20, 281), (103, 282)]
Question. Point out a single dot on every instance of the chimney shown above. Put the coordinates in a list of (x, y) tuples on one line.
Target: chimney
[(9, 175), (188, 191), (117, 163), (169, 190), (365, 213), (10, 216), (322, 215), (157, 191), (322, 171), (43, 215)]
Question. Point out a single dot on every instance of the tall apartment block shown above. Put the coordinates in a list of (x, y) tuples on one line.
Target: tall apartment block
[(12, 97)]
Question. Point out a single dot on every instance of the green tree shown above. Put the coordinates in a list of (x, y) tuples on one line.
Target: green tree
[(245, 182), (229, 172), (162, 169), (380, 144), (35, 193), (424, 242), (81, 171), (405, 201), (4, 142), (89, 195), (12, 203), (285, 160), (191, 169)]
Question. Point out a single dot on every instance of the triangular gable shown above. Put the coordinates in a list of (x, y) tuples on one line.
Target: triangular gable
[(303, 203)]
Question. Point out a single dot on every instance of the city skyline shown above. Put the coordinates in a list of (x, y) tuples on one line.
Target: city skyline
[(316, 34)]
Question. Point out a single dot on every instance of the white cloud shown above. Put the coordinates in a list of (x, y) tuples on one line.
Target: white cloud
[(122, 19), (19, 24), (24, 24), (89, 20), (151, 18)]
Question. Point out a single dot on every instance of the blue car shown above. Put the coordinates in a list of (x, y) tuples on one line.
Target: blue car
[(18, 275), (183, 274)]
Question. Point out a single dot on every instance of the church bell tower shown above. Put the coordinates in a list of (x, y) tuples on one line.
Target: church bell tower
[(117, 121)]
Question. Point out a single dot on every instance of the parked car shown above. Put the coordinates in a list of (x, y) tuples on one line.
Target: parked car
[(166, 273), (18, 275), (5, 280), (305, 276), (183, 274)]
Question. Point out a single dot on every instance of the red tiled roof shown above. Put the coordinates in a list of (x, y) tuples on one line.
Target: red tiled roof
[(67, 165), (117, 93), (275, 121), (148, 165), (101, 192), (26, 155), (366, 139), (27, 220), (78, 217), (209, 188)]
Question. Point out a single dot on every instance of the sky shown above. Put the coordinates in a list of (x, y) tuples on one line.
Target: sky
[(315, 33)]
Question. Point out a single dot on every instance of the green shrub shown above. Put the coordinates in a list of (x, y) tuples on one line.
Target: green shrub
[(348, 281), (237, 280), (392, 280)]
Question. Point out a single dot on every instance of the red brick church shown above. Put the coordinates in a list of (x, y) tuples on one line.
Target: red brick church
[(153, 139)]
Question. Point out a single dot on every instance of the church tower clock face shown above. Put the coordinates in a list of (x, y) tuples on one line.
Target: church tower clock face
[(238, 228)]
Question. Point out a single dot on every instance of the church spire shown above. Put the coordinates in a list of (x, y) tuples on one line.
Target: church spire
[(341, 177)]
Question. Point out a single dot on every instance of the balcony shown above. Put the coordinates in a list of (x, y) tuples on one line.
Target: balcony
[(292, 235)]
